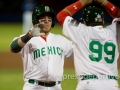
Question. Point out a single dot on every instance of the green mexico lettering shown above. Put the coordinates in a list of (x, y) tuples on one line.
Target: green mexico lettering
[(51, 51)]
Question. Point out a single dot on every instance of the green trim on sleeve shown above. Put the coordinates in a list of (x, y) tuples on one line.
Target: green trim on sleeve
[(15, 46)]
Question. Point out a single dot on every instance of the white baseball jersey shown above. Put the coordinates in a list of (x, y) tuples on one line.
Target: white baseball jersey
[(44, 60), (95, 48)]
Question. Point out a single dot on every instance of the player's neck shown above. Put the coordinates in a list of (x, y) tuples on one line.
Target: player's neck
[(44, 37)]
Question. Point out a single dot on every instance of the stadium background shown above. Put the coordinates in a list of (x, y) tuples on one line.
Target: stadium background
[(11, 26)]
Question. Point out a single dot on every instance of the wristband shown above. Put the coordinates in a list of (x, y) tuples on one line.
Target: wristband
[(73, 8), (112, 9), (26, 38)]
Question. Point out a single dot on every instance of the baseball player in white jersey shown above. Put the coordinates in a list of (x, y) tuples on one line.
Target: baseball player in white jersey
[(95, 47), (42, 52)]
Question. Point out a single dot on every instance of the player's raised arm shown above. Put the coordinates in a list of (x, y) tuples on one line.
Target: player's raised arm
[(19, 43), (111, 8), (71, 10)]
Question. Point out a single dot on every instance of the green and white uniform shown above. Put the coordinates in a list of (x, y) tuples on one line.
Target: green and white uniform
[(95, 54), (44, 60)]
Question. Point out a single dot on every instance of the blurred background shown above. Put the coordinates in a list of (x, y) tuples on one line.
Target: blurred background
[(12, 11), (15, 19)]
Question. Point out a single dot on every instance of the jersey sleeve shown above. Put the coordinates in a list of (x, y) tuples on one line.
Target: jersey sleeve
[(25, 50), (115, 28), (72, 29), (117, 21), (68, 48)]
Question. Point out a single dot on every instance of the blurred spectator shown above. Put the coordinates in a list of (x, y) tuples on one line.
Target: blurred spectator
[(27, 7)]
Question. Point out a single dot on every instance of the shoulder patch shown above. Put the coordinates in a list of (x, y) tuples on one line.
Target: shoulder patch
[(74, 22)]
